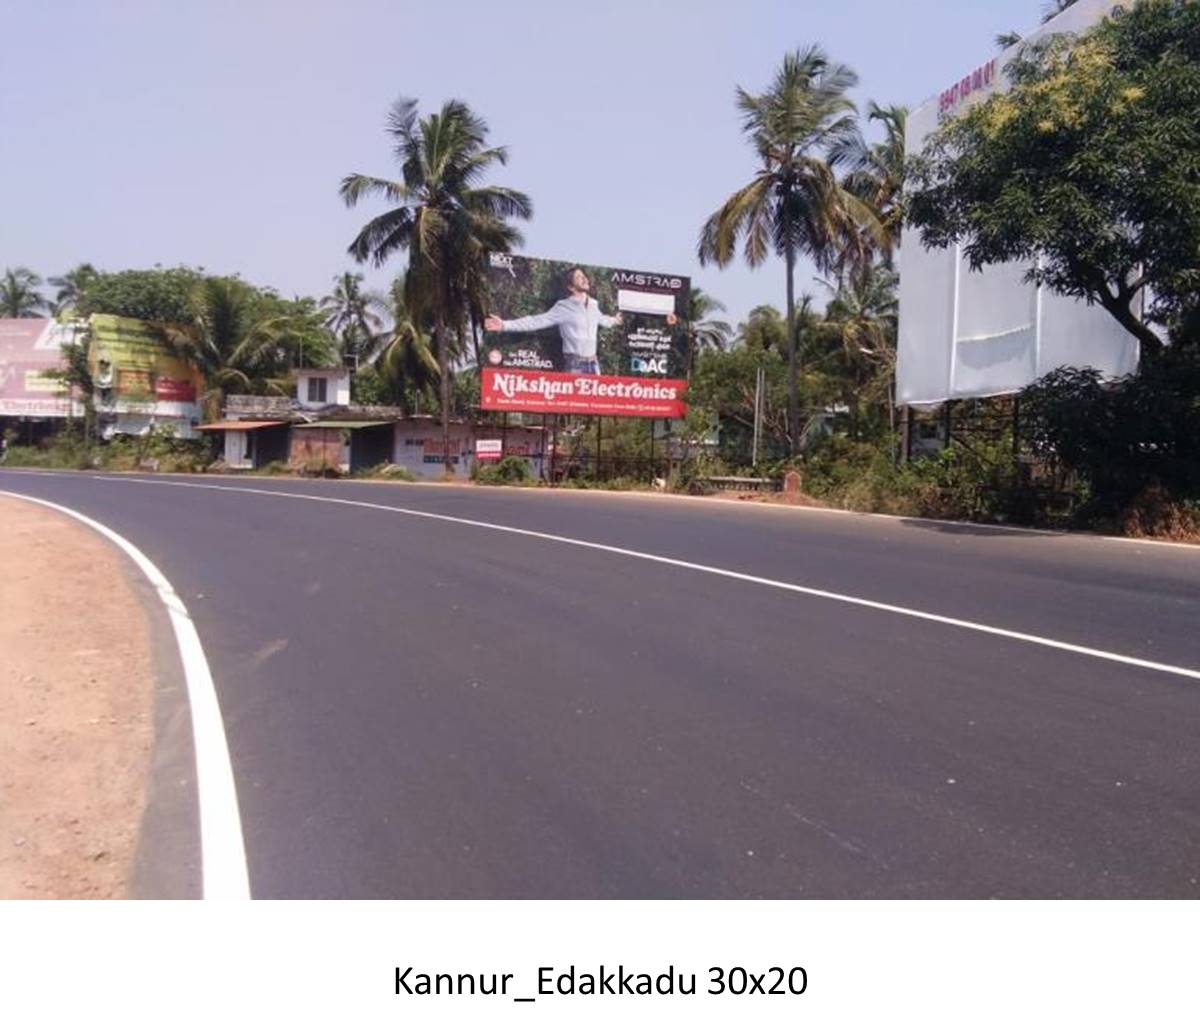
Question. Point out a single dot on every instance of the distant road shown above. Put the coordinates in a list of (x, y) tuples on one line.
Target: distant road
[(423, 707)]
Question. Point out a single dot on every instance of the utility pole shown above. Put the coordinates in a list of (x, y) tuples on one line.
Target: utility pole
[(758, 392)]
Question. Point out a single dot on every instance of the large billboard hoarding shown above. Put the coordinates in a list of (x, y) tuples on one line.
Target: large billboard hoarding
[(966, 333), (31, 363), (584, 339), (130, 358)]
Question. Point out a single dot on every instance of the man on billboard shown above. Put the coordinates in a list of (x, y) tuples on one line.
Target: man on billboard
[(578, 319)]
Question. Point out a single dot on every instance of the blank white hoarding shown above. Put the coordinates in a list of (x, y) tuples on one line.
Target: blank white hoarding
[(991, 332), (641, 302)]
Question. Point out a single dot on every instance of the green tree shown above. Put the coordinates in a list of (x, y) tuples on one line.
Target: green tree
[(1086, 169), (353, 313), (858, 337), (705, 332), (721, 389), (764, 329), (153, 294), (71, 287), (19, 296), (402, 355), (444, 217), (242, 339), (794, 205), (876, 177)]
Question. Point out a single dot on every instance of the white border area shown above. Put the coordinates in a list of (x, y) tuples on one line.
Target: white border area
[(861, 602), (931, 965), (223, 855)]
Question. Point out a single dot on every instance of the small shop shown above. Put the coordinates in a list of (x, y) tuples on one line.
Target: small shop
[(251, 444)]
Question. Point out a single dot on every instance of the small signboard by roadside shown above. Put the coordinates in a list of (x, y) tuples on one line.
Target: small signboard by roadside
[(489, 450)]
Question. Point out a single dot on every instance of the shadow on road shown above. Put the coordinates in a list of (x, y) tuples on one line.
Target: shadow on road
[(975, 529)]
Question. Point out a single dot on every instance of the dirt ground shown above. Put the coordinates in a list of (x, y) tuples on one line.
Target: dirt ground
[(76, 709)]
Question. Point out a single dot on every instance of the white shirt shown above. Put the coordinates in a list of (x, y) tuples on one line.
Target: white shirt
[(577, 321)]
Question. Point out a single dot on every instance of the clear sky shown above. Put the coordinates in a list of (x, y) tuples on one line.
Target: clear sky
[(215, 133)]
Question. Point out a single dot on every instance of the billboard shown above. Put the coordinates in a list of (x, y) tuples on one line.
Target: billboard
[(583, 339), (130, 358), (978, 334), (30, 356)]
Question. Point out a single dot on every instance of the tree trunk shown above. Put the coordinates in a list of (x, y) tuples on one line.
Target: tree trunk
[(439, 332), (1119, 309), (793, 386), (477, 340)]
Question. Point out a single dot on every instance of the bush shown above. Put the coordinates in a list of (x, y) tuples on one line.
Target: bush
[(1154, 512), (58, 455), (979, 483), (688, 477), (1124, 437), (389, 471), (512, 470), (320, 469)]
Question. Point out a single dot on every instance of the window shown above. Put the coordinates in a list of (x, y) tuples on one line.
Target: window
[(317, 390)]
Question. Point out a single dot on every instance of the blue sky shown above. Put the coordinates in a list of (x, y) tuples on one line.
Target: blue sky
[(216, 133)]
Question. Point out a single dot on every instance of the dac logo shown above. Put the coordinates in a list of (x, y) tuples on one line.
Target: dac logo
[(655, 366), (501, 261)]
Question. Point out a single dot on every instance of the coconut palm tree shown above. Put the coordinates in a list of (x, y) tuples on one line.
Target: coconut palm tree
[(859, 330), (71, 286), (1054, 8), (794, 205), (444, 217), (876, 177), (19, 297), (705, 333), (353, 313), (402, 353), (240, 339), (1050, 10)]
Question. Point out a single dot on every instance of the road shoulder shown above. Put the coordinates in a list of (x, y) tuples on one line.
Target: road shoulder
[(77, 709)]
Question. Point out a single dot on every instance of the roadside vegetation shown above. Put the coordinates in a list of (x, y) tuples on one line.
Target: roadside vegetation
[(1086, 166)]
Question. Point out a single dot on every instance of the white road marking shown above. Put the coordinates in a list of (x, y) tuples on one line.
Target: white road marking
[(795, 588), (223, 853), (617, 496)]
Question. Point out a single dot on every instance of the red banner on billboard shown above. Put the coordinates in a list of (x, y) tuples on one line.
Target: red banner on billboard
[(548, 392), (167, 388)]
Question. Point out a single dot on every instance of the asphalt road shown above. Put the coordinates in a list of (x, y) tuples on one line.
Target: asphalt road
[(422, 708)]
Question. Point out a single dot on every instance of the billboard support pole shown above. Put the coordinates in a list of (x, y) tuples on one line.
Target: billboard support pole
[(503, 433), (543, 462), (599, 421), (553, 447), (1016, 428), (653, 470)]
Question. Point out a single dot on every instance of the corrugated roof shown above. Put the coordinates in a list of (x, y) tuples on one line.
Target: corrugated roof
[(340, 425), (235, 424)]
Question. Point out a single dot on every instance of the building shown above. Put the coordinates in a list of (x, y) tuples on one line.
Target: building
[(319, 429), (988, 333)]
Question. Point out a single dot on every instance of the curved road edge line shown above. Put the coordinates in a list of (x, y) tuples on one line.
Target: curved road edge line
[(744, 577), (222, 849)]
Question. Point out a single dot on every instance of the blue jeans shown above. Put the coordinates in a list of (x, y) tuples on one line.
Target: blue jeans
[(574, 363)]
